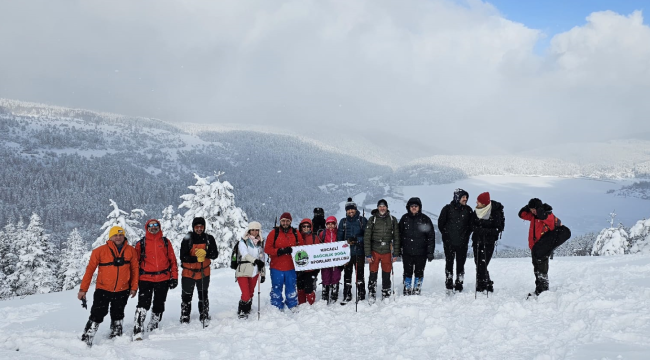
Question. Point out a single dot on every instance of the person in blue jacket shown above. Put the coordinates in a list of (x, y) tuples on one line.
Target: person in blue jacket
[(351, 229)]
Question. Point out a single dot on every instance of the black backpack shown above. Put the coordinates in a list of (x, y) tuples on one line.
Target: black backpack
[(277, 232), (234, 259), (551, 240)]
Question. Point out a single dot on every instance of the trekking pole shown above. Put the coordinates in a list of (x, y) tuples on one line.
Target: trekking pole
[(259, 285), (204, 297), (487, 292), (356, 301)]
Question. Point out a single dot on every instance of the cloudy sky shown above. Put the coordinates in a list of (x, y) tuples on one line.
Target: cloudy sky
[(444, 76)]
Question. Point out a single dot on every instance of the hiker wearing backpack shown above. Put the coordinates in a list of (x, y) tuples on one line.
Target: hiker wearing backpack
[(331, 276), (351, 229), (197, 249), (455, 225), (381, 246), (489, 221), (279, 247), (307, 279), (318, 221), (546, 233), (250, 265), (158, 272), (113, 286), (418, 245)]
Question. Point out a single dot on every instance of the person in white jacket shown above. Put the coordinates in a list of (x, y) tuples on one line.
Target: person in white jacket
[(250, 266)]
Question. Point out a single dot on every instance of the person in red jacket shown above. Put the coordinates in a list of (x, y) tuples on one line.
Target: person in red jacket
[(542, 221), (158, 274), (116, 280), (278, 246)]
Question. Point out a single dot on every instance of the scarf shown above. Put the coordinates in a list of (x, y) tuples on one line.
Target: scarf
[(485, 212), (254, 239)]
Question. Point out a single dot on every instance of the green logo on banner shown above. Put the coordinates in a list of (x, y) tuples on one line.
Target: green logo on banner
[(302, 258)]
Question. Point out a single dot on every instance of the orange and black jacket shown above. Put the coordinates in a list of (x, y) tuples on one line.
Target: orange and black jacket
[(192, 242), (118, 271)]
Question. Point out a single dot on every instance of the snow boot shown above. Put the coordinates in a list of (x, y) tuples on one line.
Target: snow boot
[(89, 332), (204, 311), (372, 288), (347, 294), (458, 286), (417, 287), (138, 323), (325, 295), (385, 294), (407, 286), (311, 298), (302, 297), (186, 309), (480, 285), (361, 290), (335, 293), (240, 310), (449, 281), (542, 284), (116, 328), (154, 321)]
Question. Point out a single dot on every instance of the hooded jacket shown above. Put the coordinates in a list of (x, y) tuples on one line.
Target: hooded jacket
[(418, 237), (455, 223), (540, 224), (353, 227), (111, 277), (381, 232), (487, 230), (248, 253), (158, 262)]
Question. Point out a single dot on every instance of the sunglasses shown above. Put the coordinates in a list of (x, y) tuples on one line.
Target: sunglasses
[(306, 226), (153, 225), (415, 205)]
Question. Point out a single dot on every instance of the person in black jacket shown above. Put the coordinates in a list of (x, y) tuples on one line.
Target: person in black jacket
[(455, 225), (318, 221), (418, 244), (489, 222), (197, 249)]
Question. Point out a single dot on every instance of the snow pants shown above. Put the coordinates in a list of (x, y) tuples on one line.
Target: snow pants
[(540, 266), (156, 290), (188, 285), (331, 276), (286, 279), (101, 301), (458, 252), (358, 262), (247, 287), (414, 263), (306, 280), (386, 261), (482, 255)]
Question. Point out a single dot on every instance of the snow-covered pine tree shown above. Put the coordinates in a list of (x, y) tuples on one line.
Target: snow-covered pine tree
[(8, 256), (129, 222), (35, 270), (640, 237), (170, 225), (5, 288), (72, 267), (215, 201), (611, 241)]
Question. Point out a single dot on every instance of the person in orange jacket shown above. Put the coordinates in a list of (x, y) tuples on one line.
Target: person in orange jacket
[(117, 278), (158, 274)]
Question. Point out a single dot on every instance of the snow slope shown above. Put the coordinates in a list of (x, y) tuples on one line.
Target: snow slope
[(597, 307)]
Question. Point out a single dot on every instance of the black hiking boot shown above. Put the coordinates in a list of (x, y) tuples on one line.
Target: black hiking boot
[(449, 281), (347, 294), (458, 286), (138, 323), (186, 309), (116, 328), (325, 294), (361, 290), (385, 294), (89, 332), (154, 321), (335, 293), (372, 291)]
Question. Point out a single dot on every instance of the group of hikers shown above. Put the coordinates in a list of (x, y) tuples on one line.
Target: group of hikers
[(151, 266)]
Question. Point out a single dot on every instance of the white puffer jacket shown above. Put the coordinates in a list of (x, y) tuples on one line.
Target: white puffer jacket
[(248, 253)]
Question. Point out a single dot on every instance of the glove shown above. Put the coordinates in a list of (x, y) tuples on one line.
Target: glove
[(259, 263), (352, 240), (173, 283), (200, 255), (285, 251), (430, 257), (263, 279)]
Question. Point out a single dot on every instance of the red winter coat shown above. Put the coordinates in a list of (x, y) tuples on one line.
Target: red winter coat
[(283, 262), (158, 258), (309, 238), (537, 227)]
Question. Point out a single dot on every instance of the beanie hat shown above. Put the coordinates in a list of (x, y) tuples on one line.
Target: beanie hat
[(459, 193), (535, 203), (350, 205), (382, 202), (198, 221), (330, 219), (286, 215), (115, 230), (319, 212), (484, 198)]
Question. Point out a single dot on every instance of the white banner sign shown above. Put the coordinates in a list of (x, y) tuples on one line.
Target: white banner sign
[(310, 257)]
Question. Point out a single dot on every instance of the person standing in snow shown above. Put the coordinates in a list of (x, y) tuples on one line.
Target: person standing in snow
[(455, 225), (113, 286), (418, 240), (250, 266), (351, 229), (381, 246), (489, 222), (279, 247), (158, 273), (542, 221), (307, 279), (330, 276), (197, 249), (318, 221)]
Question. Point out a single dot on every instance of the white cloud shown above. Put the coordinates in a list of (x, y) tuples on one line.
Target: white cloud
[(453, 75)]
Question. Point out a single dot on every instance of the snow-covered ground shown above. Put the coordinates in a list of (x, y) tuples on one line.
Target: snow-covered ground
[(597, 308)]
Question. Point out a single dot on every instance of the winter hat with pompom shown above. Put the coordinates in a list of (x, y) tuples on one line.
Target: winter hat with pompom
[(350, 204)]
